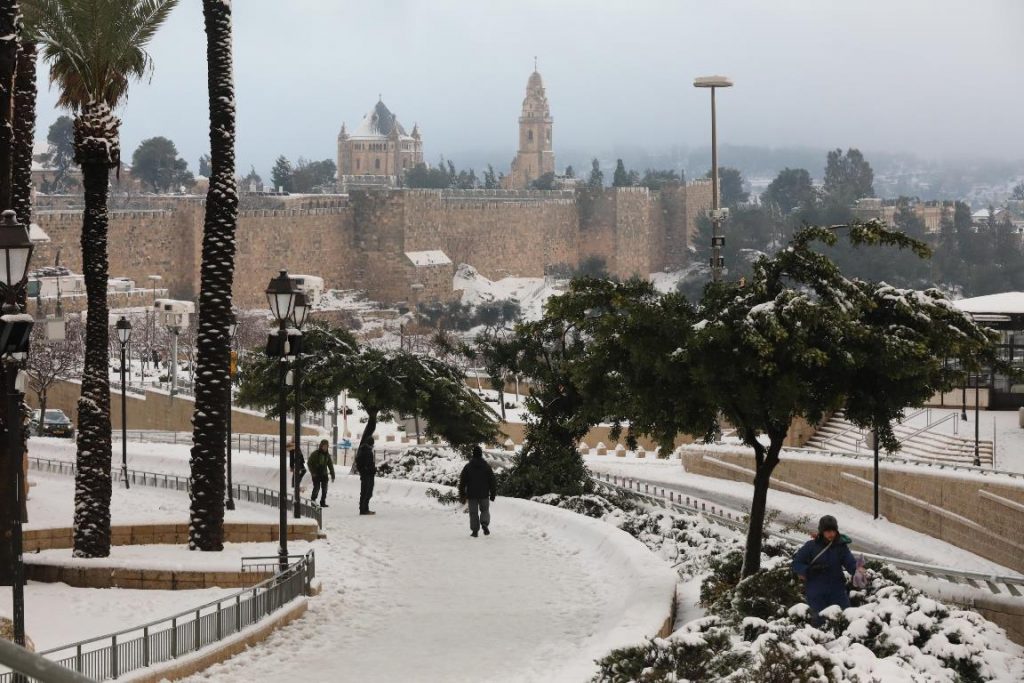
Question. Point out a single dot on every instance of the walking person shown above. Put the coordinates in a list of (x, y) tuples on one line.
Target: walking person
[(296, 464), (820, 564), (320, 466), (478, 485), (366, 466)]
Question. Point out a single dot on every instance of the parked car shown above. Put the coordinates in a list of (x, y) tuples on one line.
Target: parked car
[(55, 424)]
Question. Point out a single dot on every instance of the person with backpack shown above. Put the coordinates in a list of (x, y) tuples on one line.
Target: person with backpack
[(478, 485), (320, 466), (820, 564), (366, 467)]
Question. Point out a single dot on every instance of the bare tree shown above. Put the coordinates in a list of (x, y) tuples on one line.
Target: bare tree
[(54, 360)]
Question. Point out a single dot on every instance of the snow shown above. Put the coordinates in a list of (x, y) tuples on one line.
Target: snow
[(530, 292), (410, 596), (90, 612), (869, 535), (169, 557), (432, 257), (1005, 303)]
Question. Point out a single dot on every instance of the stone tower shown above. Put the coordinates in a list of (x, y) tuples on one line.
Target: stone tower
[(379, 146), (535, 156)]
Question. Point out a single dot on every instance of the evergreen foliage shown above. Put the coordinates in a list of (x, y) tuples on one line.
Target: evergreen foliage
[(658, 180), (790, 189), (281, 174), (730, 183), (848, 177), (156, 163), (596, 179)]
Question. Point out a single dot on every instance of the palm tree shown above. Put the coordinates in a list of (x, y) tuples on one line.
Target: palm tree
[(217, 272), (10, 21), (94, 48), (24, 121)]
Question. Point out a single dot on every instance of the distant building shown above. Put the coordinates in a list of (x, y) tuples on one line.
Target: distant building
[(536, 156), (379, 146), (931, 212)]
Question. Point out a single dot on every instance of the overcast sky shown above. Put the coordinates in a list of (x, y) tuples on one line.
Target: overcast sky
[(939, 78)]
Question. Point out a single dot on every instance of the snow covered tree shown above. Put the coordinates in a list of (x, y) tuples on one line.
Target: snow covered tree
[(10, 29), (1017, 193), (637, 368), (53, 360), (24, 121), (216, 278), (778, 347), (387, 383), (94, 50)]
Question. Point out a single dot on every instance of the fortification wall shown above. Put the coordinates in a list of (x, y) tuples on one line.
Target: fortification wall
[(499, 233), (307, 241), (634, 233)]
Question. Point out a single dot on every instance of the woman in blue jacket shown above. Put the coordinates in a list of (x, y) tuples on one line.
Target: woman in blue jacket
[(820, 563)]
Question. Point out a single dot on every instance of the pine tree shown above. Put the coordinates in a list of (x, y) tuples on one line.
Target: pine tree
[(570, 172), (596, 180), (281, 174), (490, 181), (621, 177)]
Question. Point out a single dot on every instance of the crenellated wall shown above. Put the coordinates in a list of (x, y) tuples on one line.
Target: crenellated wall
[(360, 241)]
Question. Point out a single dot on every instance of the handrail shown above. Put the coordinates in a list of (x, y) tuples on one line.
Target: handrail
[(906, 461), (1013, 585), (947, 418), (36, 666), (187, 632), (246, 492)]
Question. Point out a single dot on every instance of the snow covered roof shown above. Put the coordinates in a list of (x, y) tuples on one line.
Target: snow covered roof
[(1006, 303), (37, 234), (379, 123), (433, 257)]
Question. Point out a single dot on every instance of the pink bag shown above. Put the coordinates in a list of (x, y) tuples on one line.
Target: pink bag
[(860, 577)]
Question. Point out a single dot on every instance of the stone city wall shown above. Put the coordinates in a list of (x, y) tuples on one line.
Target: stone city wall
[(359, 242)]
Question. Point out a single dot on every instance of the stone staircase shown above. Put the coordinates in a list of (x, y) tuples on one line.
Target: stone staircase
[(919, 442)]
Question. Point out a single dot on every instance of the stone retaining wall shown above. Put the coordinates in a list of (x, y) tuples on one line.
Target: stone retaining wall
[(983, 514), (168, 534)]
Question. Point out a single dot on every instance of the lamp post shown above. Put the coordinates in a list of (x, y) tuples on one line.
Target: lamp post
[(299, 314), (150, 315), (717, 214), (977, 419), (174, 322), (281, 297), (232, 367), (15, 328), (124, 335)]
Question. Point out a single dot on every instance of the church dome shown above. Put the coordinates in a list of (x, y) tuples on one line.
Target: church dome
[(535, 82)]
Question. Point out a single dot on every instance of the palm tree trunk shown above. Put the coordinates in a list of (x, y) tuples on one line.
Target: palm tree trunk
[(10, 19), (217, 272), (97, 149), (24, 132)]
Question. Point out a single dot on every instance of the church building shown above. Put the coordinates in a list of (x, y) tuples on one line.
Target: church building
[(380, 146), (535, 156)]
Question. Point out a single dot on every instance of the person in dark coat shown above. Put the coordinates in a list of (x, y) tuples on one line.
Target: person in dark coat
[(296, 464), (366, 466), (820, 564), (478, 486), (320, 466)]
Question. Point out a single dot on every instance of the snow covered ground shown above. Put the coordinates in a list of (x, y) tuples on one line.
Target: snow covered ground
[(1002, 425), (530, 292), (409, 596), (869, 535)]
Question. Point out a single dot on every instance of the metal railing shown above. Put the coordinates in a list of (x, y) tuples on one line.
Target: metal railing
[(262, 444), (113, 655), (657, 495), (244, 492), (922, 462)]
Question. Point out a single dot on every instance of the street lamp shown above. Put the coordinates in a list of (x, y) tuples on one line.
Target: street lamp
[(15, 328), (174, 322), (232, 329), (717, 214), (299, 316), (977, 420), (281, 297), (124, 335)]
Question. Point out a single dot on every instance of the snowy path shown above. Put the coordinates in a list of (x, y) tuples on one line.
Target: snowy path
[(410, 596)]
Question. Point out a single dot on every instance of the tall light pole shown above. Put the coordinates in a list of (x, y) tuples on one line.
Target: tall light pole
[(299, 314), (124, 335), (977, 419), (15, 329), (232, 367), (281, 297), (174, 322), (150, 324), (717, 213)]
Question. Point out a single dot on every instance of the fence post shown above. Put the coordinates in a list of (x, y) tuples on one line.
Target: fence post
[(78, 659), (238, 613), (145, 646), (174, 637), (220, 630), (197, 638), (113, 656)]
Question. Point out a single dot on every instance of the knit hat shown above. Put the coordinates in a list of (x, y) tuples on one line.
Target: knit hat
[(828, 523), (478, 452)]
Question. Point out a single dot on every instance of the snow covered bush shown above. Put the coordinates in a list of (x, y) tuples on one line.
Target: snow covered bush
[(430, 465), (759, 629)]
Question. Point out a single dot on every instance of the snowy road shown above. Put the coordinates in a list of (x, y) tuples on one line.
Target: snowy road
[(409, 596)]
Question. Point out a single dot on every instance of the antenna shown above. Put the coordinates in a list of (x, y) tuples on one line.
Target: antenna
[(535, 62)]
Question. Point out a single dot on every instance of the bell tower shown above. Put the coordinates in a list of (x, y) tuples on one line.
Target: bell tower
[(536, 155)]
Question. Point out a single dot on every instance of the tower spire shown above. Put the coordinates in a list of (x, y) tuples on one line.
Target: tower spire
[(535, 62)]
